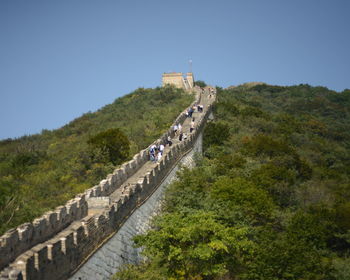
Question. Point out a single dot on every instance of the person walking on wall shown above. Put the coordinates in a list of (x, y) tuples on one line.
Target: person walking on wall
[(169, 142), (161, 148), (152, 153), (159, 156), (180, 136), (175, 129), (190, 112), (192, 126)]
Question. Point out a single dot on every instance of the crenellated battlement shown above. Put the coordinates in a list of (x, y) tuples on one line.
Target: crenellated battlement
[(25, 236), (57, 243)]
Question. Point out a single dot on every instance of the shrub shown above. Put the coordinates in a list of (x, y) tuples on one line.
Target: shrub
[(215, 134), (113, 144)]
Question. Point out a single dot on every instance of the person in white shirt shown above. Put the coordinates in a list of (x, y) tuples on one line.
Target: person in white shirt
[(169, 142), (159, 156), (175, 129), (192, 125), (161, 148)]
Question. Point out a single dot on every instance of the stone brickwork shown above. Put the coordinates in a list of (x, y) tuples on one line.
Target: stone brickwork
[(16, 241), (56, 244), (178, 80), (119, 250)]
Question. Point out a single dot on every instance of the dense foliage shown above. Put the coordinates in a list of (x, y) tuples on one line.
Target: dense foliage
[(113, 144), (201, 84), (40, 172), (268, 200)]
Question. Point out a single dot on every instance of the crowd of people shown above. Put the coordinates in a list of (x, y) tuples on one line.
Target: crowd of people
[(156, 151)]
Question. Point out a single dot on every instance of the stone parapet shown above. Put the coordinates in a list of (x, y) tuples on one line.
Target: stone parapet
[(18, 240), (43, 249)]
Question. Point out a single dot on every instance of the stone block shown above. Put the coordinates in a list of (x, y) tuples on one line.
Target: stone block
[(79, 235), (39, 230), (82, 206), (133, 167), (15, 274), (61, 215), (8, 250), (104, 186), (25, 234), (144, 156), (89, 227), (53, 250), (100, 202), (89, 193), (100, 222), (137, 159), (110, 213), (51, 218), (96, 190), (57, 260), (26, 264), (67, 241), (126, 168), (72, 209), (40, 256)]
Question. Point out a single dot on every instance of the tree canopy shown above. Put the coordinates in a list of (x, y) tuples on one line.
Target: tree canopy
[(113, 143), (268, 200)]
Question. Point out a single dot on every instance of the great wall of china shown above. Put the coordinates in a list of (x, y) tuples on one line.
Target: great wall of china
[(62, 243)]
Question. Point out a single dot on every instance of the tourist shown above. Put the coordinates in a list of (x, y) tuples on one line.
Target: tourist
[(190, 112), (175, 129), (152, 153), (161, 148), (169, 142), (159, 156), (180, 136), (192, 125)]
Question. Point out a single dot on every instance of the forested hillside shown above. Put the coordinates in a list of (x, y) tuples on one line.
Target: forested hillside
[(270, 199), (40, 172)]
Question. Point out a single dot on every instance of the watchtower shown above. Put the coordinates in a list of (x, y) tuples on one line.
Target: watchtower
[(179, 80)]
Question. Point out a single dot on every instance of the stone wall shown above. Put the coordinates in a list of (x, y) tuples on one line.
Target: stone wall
[(175, 79), (68, 248), (190, 79), (119, 249), (16, 241), (178, 80)]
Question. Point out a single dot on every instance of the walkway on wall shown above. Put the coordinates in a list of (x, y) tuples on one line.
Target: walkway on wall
[(118, 249), (38, 260), (149, 166)]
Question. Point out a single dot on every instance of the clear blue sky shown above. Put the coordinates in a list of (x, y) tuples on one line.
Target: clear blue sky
[(59, 59)]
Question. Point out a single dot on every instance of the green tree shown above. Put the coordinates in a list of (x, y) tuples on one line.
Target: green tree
[(276, 164), (254, 202), (111, 144), (195, 246), (215, 133), (201, 84)]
